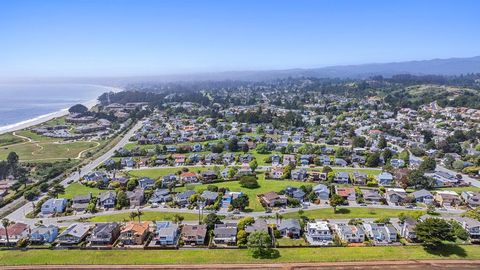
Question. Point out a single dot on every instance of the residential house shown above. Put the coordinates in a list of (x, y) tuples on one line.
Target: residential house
[(447, 198), (166, 233), (276, 173), (472, 226), (136, 197), (395, 196), (276, 160), (107, 199), (380, 233), (259, 225), (209, 196), (341, 178), (127, 162), (397, 163), (189, 177), (371, 196), (193, 235), (289, 228), (16, 232), (81, 202), (161, 160), (359, 178), (272, 199), (229, 158), (385, 179), (225, 234), (179, 159), (472, 199), (160, 196), (43, 234), (169, 180), (182, 197), (357, 159), (104, 234), (318, 233), (324, 160), (146, 183), (350, 233), (54, 206), (408, 229), (99, 177), (443, 179), (245, 158), (209, 176), (74, 234), (322, 192), (294, 192), (299, 174), (317, 176), (340, 162), (423, 196), (134, 233), (348, 193), (211, 158), (305, 160), (289, 159)]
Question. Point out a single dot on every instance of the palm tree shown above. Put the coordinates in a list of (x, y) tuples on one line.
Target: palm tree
[(5, 223), (177, 218), (132, 215), (139, 214)]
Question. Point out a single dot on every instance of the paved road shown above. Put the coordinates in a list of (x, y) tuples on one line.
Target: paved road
[(19, 214)]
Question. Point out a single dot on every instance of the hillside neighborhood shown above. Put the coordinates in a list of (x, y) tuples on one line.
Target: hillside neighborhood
[(197, 178)]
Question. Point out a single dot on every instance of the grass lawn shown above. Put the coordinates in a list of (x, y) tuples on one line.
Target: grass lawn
[(34, 136), (150, 216), (76, 189), (156, 173), (459, 190), (265, 186), (8, 139), (46, 150), (288, 242), (354, 212), (206, 256)]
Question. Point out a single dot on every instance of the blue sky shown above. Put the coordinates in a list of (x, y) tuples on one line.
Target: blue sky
[(118, 37)]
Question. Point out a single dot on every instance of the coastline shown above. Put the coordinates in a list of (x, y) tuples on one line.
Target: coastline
[(49, 116)]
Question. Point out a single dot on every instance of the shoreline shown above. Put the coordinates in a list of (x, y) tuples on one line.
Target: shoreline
[(49, 116)]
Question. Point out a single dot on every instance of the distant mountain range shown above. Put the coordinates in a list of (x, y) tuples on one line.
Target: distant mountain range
[(450, 66)]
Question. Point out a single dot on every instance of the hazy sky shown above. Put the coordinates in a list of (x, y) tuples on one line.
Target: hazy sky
[(117, 37)]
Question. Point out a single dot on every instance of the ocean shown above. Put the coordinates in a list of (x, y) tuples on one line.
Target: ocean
[(21, 103)]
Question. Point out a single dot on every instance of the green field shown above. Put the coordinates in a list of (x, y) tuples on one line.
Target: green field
[(459, 190), (225, 256), (265, 186), (76, 189), (47, 150), (353, 212), (8, 139), (150, 216), (156, 173), (287, 242)]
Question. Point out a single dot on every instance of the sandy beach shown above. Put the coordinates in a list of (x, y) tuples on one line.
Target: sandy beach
[(46, 117)]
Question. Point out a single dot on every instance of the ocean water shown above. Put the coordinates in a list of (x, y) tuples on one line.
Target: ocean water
[(23, 102)]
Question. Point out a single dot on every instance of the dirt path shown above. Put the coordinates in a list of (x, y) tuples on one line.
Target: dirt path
[(383, 265), (27, 139), (88, 149)]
